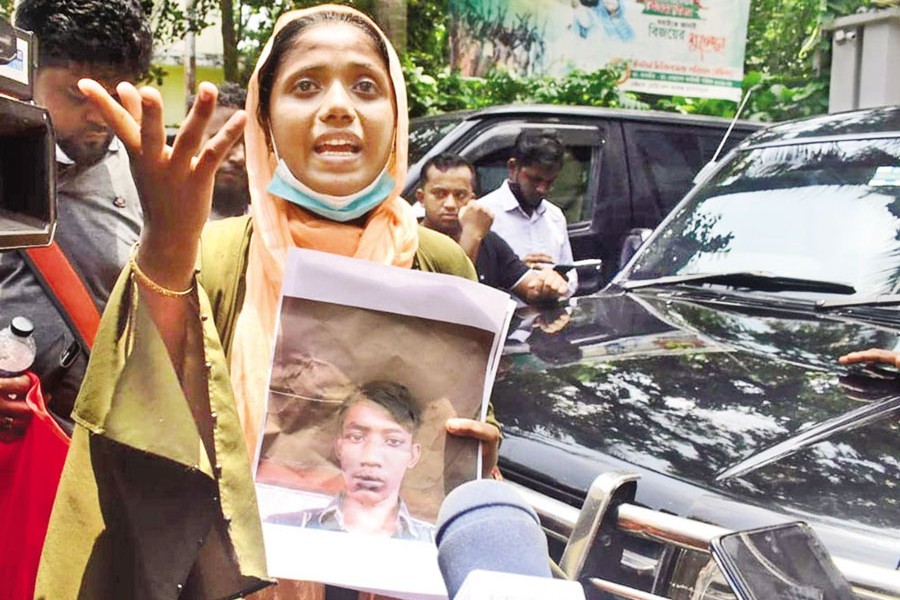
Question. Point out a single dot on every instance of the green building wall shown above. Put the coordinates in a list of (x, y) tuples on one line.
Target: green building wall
[(173, 93)]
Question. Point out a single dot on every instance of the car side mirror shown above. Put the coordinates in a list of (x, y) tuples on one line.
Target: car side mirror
[(632, 243)]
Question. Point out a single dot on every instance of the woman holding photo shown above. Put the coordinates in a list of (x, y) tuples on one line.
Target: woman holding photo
[(157, 497)]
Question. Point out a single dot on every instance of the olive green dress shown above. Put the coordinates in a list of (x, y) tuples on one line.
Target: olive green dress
[(157, 499)]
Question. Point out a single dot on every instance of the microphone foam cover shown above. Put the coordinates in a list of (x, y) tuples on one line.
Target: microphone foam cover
[(486, 525)]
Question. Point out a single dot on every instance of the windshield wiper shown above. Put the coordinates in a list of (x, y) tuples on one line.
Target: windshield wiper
[(876, 300), (756, 280)]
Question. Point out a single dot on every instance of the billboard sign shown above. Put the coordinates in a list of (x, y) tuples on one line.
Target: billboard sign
[(670, 47)]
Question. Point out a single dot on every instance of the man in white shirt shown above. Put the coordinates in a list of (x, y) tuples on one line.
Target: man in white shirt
[(533, 227)]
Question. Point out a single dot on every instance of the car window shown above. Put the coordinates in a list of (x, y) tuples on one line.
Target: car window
[(491, 169), (572, 191), (669, 158), (826, 211), (425, 133)]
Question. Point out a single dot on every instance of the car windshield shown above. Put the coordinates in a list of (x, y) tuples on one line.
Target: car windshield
[(823, 211), (424, 133)]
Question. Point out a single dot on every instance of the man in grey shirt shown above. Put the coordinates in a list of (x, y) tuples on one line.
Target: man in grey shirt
[(99, 214)]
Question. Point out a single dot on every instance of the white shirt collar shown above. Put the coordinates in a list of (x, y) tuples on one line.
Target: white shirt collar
[(63, 158), (511, 203)]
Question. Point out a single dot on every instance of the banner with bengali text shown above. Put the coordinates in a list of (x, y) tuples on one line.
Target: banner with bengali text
[(670, 47)]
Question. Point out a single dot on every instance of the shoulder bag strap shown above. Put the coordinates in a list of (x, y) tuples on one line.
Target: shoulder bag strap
[(60, 280)]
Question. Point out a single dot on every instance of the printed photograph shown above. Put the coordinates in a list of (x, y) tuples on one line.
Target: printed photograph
[(355, 425), (353, 459)]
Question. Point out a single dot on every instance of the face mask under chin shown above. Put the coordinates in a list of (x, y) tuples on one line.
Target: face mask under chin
[(335, 208)]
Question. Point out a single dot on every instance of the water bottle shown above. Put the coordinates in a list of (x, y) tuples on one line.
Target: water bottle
[(17, 347)]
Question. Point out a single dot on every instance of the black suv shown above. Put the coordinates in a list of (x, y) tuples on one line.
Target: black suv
[(623, 170), (709, 365)]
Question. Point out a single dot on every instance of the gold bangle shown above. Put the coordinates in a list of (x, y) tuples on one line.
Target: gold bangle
[(152, 285)]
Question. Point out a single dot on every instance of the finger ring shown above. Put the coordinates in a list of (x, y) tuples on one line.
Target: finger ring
[(7, 423)]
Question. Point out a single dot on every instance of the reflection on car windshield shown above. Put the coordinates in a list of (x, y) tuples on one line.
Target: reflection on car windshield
[(826, 211), (425, 133)]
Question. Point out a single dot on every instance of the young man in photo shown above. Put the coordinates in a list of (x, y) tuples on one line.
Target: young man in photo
[(375, 446)]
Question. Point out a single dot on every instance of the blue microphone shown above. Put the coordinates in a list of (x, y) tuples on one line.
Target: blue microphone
[(486, 526)]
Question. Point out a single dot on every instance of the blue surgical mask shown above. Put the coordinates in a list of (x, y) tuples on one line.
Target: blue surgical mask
[(336, 208)]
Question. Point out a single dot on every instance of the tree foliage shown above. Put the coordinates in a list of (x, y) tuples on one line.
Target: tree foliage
[(171, 22), (249, 23), (446, 90)]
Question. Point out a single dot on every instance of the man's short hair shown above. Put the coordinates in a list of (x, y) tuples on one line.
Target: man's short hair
[(231, 95), (391, 396), (539, 149), (446, 161), (114, 33)]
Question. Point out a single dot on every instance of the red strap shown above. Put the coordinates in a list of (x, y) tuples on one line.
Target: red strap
[(69, 289)]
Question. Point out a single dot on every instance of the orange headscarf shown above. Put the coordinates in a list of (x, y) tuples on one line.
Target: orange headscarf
[(389, 235)]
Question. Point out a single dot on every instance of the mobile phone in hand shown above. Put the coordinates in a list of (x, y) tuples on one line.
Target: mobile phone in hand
[(563, 268)]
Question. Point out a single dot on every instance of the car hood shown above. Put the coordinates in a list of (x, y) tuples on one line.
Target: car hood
[(682, 391)]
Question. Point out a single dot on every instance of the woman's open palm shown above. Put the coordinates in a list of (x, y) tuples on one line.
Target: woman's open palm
[(175, 182)]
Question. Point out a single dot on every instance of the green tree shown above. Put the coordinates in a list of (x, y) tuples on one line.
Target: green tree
[(242, 43), (231, 28), (170, 22)]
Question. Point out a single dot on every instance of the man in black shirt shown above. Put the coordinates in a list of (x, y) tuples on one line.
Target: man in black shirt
[(447, 193)]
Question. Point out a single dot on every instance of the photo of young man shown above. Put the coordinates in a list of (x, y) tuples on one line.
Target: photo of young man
[(375, 445)]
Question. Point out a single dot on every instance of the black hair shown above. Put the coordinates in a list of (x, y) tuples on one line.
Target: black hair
[(113, 33), (231, 95), (391, 396), (448, 160), (284, 41), (539, 149)]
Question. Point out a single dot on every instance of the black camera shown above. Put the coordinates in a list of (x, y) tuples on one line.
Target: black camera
[(27, 147)]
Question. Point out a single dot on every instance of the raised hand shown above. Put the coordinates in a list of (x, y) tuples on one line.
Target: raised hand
[(475, 219), (175, 183)]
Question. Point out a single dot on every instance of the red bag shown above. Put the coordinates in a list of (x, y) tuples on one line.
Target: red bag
[(30, 468), (29, 475)]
